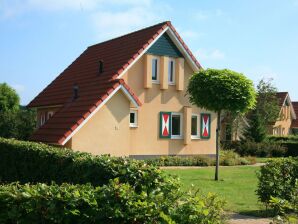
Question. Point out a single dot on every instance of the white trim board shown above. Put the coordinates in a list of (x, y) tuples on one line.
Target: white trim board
[(126, 93)]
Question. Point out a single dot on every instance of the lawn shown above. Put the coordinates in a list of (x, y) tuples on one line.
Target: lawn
[(237, 186)]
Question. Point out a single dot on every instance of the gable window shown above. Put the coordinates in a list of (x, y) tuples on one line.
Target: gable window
[(194, 126), (176, 125), (42, 119), (171, 71), (50, 114), (155, 70), (133, 118)]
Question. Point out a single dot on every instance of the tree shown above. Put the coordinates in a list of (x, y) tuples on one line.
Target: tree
[(266, 111), (15, 121), (256, 131), (9, 99), (267, 101), (221, 90)]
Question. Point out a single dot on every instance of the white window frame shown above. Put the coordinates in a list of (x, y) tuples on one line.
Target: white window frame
[(181, 126), (42, 118), (174, 77), (197, 136), (157, 69), (50, 114), (135, 124)]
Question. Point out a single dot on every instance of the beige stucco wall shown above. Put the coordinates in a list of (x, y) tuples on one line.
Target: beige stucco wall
[(144, 140), (107, 132)]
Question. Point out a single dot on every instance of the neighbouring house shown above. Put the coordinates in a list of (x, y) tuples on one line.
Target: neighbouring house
[(295, 122), (283, 124), (127, 97)]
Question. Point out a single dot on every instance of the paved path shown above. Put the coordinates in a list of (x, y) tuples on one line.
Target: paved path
[(243, 219)]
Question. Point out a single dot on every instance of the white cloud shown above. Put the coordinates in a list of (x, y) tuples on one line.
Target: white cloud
[(19, 88), (109, 18), (215, 54), (110, 24), (207, 14)]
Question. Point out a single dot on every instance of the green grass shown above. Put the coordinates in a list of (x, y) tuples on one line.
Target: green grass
[(237, 186)]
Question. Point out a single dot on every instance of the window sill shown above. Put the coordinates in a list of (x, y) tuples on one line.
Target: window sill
[(195, 137), (176, 137), (155, 82), (172, 83), (133, 126)]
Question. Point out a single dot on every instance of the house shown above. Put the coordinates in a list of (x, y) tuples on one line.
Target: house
[(283, 125), (295, 122), (127, 97)]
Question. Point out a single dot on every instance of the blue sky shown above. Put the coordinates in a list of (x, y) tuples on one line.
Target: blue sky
[(40, 38)]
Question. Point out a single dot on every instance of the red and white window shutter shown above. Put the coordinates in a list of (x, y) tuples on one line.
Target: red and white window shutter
[(205, 126), (165, 125)]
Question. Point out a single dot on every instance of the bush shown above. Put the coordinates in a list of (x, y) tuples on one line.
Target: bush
[(277, 179), (228, 158), (112, 203), (29, 162), (264, 149), (291, 138), (180, 161)]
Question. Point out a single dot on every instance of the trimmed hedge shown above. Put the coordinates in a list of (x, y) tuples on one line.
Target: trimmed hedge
[(274, 138), (227, 158), (112, 203), (277, 179), (29, 162), (264, 149)]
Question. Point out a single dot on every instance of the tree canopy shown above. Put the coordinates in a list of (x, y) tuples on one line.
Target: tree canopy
[(15, 121), (9, 99), (219, 90)]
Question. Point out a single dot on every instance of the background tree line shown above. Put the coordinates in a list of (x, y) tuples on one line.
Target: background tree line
[(16, 121)]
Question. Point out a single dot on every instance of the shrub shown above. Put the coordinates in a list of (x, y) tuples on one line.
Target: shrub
[(227, 158), (180, 161), (263, 149), (277, 179), (274, 138), (33, 162), (112, 203)]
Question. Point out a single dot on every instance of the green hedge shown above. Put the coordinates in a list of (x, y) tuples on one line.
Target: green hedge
[(112, 203), (227, 158), (292, 138), (277, 179), (263, 149), (29, 162)]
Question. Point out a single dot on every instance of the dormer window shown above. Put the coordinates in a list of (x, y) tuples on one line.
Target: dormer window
[(155, 70), (171, 71)]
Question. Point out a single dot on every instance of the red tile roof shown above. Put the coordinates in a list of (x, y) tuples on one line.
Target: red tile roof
[(295, 122), (281, 96), (116, 54)]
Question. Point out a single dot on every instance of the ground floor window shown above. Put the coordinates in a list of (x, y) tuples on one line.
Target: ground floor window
[(133, 118), (176, 125), (194, 126)]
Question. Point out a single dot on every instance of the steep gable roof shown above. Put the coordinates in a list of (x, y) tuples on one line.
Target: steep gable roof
[(295, 122), (284, 97), (118, 55), (281, 96)]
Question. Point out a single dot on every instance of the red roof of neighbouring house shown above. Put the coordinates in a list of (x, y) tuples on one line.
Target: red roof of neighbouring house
[(281, 96), (295, 122), (117, 54)]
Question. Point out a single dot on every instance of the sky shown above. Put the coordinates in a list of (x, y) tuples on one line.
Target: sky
[(40, 38)]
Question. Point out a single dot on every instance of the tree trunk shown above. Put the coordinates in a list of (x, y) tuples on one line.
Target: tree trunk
[(217, 145)]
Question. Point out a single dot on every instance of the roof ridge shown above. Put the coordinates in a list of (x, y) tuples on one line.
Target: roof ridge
[(133, 32)]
